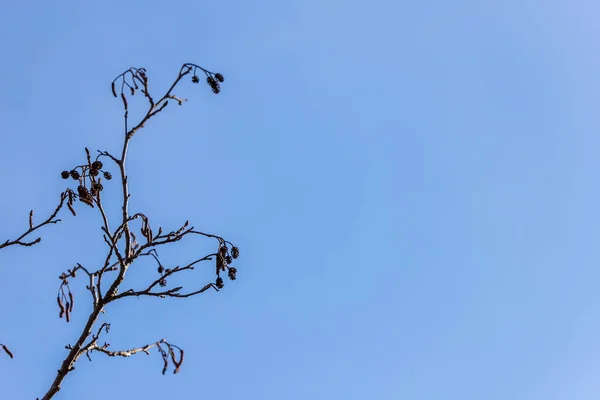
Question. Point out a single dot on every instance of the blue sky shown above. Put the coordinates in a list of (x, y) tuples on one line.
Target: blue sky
[(413, 187)]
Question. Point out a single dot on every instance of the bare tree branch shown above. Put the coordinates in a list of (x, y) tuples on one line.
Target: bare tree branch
[(168, 355), (32, 228), (162, 281), (123, 246)]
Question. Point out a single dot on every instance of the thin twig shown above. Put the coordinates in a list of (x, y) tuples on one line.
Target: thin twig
[(32, 228)]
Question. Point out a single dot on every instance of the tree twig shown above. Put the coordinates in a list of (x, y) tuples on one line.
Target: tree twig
[(32, 228)]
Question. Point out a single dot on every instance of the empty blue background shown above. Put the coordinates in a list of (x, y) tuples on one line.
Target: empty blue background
[(413, 186)]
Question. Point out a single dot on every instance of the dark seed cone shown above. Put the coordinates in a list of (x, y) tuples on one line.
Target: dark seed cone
[(161, 269), (94, 172), (223, 250), (231, 273), (74, 174), (107, 176), (228, 259), (85, 196), (97, 165), (214, 85), (220, 264), (235, 252), (162, 282), (219, 77), (98, 186), (195, 79), (219, 283), (82, 191), (65, 174)]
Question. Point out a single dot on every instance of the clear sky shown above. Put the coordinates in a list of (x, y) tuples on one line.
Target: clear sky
[(414, 187)]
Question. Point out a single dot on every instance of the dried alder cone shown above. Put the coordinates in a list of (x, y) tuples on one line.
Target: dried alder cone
[(90, 185), (135, 79), (212, 79)]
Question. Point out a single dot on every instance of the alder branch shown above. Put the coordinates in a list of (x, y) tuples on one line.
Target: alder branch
[(119, 353), (89, 192), (168, 355), (162, 281), (94, 346), (32, 228), (74, 353)]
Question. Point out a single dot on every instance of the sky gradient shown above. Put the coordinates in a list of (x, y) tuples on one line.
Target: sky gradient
[(413, 186)]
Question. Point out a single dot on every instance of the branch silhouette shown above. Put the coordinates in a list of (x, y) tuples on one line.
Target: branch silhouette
[(131, 238), (20, 240), (32, 228)]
